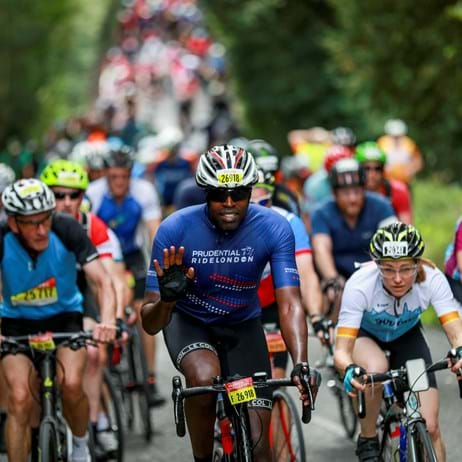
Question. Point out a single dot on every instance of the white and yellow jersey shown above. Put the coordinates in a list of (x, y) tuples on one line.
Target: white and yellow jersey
[(367, 305)]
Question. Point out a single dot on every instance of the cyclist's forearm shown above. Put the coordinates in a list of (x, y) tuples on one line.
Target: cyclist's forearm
[(293, 327), (155, 315), (453, 332), (343, 355), (107, 301)]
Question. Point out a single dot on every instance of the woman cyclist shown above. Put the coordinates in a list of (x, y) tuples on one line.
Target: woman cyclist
[(380, 310)]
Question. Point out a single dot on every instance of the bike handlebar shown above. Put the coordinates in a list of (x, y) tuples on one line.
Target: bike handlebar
[(179, 394), (399, 374)]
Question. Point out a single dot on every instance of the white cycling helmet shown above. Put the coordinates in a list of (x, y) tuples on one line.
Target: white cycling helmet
[(90, 154), (7, 176), (27, 197), (226, 166), (395, 127)]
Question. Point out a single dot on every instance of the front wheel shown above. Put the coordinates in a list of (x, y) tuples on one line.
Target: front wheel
[(286, 434), (420, 448), (48, 443), (347, 413)]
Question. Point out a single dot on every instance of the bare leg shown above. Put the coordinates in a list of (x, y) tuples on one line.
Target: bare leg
[(429, 407), (75, 402), (199, 367), (18, 370), (260, 422), (368, 355)]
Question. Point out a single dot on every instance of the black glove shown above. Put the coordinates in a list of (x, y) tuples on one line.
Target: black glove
[(322, 325), (455, 353), (173, 284), (300, 370)]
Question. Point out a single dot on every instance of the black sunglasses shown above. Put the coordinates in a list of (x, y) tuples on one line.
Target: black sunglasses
[(220, 195), (59, 195), (377, 168)]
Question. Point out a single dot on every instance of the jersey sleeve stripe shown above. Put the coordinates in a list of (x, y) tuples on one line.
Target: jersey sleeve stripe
[(299, 252), (349, 332), (449, 317)]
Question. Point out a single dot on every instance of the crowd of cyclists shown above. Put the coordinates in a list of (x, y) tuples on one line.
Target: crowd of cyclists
[(155, 202)]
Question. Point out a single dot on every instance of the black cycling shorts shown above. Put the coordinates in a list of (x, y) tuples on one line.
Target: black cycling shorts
[(62, 322), (270, 315), (411, 345), (240, 347), (136, 264)]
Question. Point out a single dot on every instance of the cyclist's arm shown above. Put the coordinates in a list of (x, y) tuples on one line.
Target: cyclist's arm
[(293, 322), (155, 313), (322, 249), (95, 271), (309, 284), (343, 355), (119, 282)]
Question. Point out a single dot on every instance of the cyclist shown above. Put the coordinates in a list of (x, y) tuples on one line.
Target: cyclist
[(127, 205), (68, 181), (262, 193), (453, 262), (267, 159), (39, 253), (403, 155), (381, 308), (374, 161), (317, 186), (202, 291), (7, 176), (342, 226)]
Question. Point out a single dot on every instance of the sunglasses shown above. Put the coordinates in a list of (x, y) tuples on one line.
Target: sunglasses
[(46, 221), (59, 195), (377, 168), (221, 195)]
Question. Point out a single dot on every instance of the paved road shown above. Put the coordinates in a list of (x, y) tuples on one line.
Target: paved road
[(324, 436)]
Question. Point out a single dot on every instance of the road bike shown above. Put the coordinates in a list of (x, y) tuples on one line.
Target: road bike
[(402, 430), (286, 433), (55, 438), (232, 436), (334, 382)]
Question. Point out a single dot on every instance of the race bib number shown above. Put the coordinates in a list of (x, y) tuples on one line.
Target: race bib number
[(395, 249), (240, 391), (42, 342), (43, 294), (230, 176), (275, 342)]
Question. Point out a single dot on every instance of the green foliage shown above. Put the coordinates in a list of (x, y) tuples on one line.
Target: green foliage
[(278, 65), (402, 59), (48, 52)]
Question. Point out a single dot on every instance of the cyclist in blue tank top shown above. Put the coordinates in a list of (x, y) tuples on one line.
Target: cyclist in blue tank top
[(202, 290), (38, 256)]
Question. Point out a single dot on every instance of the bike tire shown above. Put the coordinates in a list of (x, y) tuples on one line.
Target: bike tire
[(140, 398), (420, 447), (111, 403), (286, 432), (48, 443), (242, 432), (347, 412)]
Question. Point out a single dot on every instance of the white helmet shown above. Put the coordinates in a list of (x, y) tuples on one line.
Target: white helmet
[(7, 176), (226, 166), (27, 197), (395, 127), (90, 154)]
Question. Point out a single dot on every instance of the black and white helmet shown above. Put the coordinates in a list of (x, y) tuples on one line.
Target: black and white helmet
[(226, 166), (28, 196), (7, 176)]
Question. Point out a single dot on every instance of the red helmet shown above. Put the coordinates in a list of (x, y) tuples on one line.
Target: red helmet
[(334, 154)]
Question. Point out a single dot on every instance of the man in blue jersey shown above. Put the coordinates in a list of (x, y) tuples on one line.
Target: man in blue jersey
[(343, 226), (207, 261), (39, 252)]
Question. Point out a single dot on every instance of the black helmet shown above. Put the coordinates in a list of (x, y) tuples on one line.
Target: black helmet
[(120, 157), (347, 172), (265, 155), (396, 241)]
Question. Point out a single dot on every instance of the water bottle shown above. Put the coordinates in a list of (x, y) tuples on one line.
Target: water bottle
[(388, 393), (402, 443), (226, 436), (394, 440)]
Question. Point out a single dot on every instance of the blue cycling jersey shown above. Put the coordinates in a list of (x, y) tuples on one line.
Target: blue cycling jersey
[(350, 245), (228, 265), (41, 287)]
